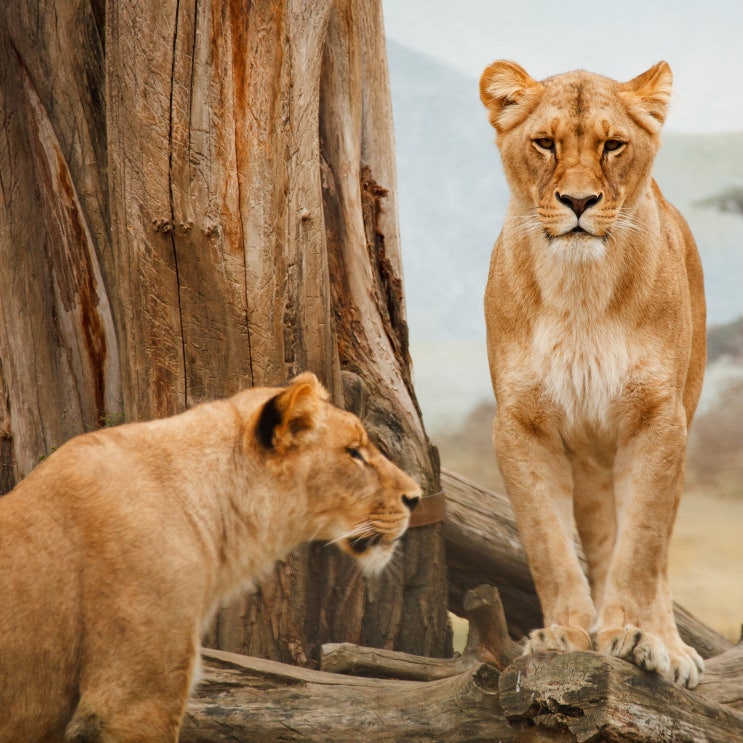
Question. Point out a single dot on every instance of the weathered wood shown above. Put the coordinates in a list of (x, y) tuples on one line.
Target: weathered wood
[(536, 699), (258, 700), (250, 248), (356, 660), (483, 546), (589, 697), (488, 638), (58, 348), (722, 680), (487, 642)]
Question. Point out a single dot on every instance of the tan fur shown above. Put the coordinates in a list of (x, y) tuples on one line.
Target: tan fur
[(595, 320), (115, 552)]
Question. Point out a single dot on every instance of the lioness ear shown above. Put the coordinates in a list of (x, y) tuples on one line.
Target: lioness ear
[(648, 96), (507, 91), (292, 413)]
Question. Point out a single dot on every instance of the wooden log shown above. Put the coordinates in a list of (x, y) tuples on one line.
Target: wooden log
[(357, 660), (488, 642), (722, 680), (252, 699), (483, 546), (537, 699), (590, 697)]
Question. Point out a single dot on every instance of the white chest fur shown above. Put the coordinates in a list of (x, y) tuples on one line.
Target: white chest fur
[(581, 364), (580, 354)]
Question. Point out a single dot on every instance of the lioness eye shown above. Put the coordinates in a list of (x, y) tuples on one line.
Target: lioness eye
[(545, 143), (356, 454), (612, 145)]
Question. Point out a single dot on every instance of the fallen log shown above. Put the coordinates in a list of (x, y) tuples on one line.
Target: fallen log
[(488, 642), (483, 546), (534, 699), (257, 700), (588, 697), (722, 679), (451, 699)]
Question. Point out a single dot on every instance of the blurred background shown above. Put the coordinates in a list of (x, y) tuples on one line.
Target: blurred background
[(453, 195)]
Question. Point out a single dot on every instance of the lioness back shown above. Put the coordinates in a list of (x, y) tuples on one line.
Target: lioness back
[(117, 549), (596, 337)]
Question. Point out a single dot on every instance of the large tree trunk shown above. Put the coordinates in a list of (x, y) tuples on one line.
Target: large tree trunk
[(199, 196)]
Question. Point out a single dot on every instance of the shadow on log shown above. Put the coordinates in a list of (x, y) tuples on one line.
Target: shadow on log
[(524, 699)]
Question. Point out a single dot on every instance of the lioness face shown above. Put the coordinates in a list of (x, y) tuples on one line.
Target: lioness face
[(577, 150), (376, 497), (355, 497)]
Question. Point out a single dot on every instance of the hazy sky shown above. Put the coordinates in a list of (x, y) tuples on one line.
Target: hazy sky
[(702, 40)]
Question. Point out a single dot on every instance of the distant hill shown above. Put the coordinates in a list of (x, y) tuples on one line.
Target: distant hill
[(453, 195)]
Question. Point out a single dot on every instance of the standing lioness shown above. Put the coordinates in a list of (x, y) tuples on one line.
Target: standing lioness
[(115, 552), (595, 320)]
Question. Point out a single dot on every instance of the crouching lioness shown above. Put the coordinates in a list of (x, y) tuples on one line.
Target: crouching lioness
[(596, 336), (116, 551)]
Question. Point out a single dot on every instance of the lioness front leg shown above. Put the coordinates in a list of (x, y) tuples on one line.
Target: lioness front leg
[(538, 480), (636, 619)]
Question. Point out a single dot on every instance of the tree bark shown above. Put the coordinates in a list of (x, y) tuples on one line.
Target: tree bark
[(59, 372), (483, 546), (199, 196)]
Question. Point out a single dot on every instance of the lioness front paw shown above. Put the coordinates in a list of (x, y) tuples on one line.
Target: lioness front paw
[(557, 638), (677, 663), (636, 646), (686, 666)]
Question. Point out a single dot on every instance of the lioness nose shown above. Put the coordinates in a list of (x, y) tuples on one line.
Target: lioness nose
[(411, 501), (578, 203)]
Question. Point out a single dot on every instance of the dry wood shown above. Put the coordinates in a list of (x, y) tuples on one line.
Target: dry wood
[(357, 660), (258, 700), (58, 349), (487, 642), (483, 546), (589, 697), (722, 680), (535, 699)]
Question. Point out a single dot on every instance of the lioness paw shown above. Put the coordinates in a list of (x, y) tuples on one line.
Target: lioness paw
[(557, 639), (686, 667), (641, 648)]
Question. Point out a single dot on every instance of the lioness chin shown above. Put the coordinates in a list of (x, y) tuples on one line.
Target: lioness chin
[(117, 549), (596, 337)]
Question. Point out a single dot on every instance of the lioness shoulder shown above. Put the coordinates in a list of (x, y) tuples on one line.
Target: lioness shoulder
[(596, 336), (117, 549)]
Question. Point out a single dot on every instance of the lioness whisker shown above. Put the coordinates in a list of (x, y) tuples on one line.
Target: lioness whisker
[(361, 530)]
